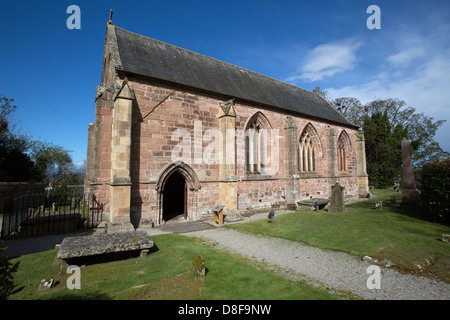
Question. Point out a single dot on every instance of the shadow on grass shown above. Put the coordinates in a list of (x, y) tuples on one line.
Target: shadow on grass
[(108, 257), (75, 295), (415, 211), (393, 202)]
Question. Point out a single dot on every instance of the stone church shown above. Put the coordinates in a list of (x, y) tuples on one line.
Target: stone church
[(177, 133)]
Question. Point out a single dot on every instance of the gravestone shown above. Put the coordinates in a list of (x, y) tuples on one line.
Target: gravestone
[(272, 216), (379, 204), (45, 285), (199, 265), (337, 198), (410, 194)]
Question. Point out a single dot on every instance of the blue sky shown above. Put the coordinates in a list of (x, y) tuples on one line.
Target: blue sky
[(52, 72)]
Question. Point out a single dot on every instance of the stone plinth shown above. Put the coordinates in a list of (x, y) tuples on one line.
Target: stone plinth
[(82, 246), (218, 214), (361, 167)]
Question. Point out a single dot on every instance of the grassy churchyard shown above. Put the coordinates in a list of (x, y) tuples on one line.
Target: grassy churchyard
[(402, 236), (164, 274)]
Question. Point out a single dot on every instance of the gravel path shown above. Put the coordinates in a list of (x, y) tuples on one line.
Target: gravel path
[(329, 269)]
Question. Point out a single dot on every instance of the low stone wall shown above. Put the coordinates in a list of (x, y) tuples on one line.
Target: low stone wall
[(9, 190)]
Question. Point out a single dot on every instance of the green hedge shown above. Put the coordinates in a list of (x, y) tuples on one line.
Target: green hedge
[(436, 189)]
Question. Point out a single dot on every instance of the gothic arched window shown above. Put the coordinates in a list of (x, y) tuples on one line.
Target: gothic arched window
[(308, 149), (256, 147), (343, 145)]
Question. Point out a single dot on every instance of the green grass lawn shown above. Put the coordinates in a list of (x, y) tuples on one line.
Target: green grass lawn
[(161, 275), (401, 235)]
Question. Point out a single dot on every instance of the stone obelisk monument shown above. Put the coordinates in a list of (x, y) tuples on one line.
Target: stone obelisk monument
[(410, 194)]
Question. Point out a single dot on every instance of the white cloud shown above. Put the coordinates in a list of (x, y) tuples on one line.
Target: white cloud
[(405, 57), (411, 65), (325, 60), (426, 88), (426, 85)]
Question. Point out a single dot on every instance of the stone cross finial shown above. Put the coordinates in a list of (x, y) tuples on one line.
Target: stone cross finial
[(110, 16)]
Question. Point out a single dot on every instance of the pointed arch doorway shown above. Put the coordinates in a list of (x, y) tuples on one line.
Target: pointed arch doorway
[(177, 188), (174, 197)]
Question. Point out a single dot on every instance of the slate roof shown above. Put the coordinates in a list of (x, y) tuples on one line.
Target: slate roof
[(148, 57)]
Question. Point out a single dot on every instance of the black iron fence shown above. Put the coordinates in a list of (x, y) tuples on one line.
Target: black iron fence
[(43, 214)]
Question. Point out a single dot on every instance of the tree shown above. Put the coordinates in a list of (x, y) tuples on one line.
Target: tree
[(15, 163), (351, 108), (435, 190), (52, 163), (25, 159), (6, 110), (385, 123), (383, 149), (419, 127)]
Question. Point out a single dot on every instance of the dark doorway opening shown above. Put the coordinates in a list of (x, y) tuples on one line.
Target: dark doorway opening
[(174, 197)]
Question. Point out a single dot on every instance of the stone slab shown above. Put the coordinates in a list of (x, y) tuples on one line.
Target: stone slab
[(82, 246), (310, 203)]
